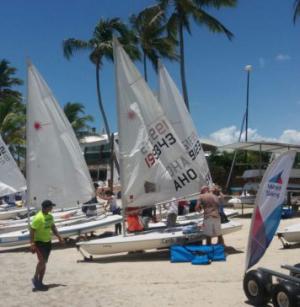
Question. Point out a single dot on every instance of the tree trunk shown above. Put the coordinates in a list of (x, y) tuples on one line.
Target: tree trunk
[(145, 66), (113, 157), (182, 68), (107, 130)]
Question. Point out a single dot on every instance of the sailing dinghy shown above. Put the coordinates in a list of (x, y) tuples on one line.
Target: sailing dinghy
[(11, 181), (154, 164), (55, 165), (289, 234)]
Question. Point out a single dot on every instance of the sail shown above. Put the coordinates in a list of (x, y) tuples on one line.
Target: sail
[(154, 165), (55, 165), (267, 213), (11, 178), (180, 118)]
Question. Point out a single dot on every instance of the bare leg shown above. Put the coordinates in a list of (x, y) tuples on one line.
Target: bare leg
[(208, 240), (221, 240), (40, 271)]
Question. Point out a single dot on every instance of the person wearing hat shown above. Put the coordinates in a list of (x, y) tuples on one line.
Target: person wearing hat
[(41, 230)]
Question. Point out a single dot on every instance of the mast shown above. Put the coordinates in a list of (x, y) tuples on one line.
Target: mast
[(28, 62), (121, 161)]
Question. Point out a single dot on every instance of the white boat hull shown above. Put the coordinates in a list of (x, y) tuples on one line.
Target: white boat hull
[(145, 241), (12, 213), (22, 237), (291, 233)]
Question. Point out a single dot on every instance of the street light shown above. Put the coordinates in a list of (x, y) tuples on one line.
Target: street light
[(248, 68)]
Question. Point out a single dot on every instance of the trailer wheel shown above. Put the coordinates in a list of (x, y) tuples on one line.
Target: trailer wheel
[(256, 287), (285, 295), (296, 274)]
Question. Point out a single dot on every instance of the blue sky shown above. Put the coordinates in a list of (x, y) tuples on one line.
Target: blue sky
[(265, 37)]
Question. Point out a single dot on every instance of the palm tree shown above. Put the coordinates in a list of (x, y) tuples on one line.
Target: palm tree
[(100, 48), (149, 30), (12, 110), (181, 11), (297, 10), (73, 111), (7, 81)]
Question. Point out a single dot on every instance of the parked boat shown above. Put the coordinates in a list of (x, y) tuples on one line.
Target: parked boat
[(289, 234), (17, 238), (145, 241), (156, 165)]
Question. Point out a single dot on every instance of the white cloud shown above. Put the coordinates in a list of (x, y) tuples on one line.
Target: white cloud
[(231, 134), (290, 136), (225, 135), (282, 57)]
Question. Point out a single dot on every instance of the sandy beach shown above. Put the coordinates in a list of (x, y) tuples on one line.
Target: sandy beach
[(144, 279)]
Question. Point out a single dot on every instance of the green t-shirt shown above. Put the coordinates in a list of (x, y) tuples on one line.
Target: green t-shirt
[(42, 224)]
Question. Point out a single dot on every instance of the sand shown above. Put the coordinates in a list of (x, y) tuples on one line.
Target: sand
[(136, 280)]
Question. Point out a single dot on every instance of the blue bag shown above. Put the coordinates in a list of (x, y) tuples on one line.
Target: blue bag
[(186, 253), (180, 253), (201, 259), (218, 253)]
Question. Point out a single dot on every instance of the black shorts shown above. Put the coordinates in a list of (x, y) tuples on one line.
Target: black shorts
[(43, 250)]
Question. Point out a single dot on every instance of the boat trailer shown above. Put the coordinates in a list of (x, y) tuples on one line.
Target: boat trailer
[(262, 285)]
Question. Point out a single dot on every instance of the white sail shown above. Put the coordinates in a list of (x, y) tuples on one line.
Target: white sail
[(11, 178), (180, 118), (154, 165), (55, 165)]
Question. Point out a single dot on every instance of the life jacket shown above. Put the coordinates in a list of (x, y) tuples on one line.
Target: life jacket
[(134, 224)]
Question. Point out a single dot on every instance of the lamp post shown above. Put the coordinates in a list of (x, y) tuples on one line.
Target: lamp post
[(248, 68)]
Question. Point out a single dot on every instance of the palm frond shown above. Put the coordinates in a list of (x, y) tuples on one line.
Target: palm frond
[(296, 10), (201, 17), (72, 45)]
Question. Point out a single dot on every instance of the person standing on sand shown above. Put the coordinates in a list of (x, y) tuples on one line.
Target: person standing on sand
[(210, 203), (41, 230)]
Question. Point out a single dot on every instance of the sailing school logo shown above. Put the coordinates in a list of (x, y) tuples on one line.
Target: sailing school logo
[(4, 157), (275, 186)]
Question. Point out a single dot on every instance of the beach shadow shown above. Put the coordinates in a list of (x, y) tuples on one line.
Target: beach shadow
[(19, 249), (244, 215), (248, 303), (144, 256), (230, 250), (138, 256), (291, 246), (51, 286)]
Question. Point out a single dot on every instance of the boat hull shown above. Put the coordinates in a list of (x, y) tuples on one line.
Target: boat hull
[(291, 233), (22, 237), (146, 241)]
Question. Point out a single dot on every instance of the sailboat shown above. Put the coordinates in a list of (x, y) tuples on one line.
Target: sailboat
[(181, 120), (154, 164), (11, 180), (55, 165)]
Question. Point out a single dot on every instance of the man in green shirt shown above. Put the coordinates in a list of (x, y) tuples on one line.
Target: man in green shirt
[(41, 231)]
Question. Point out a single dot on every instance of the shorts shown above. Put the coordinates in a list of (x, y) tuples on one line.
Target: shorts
[(171, 219), (212, 227), (43, 250)]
